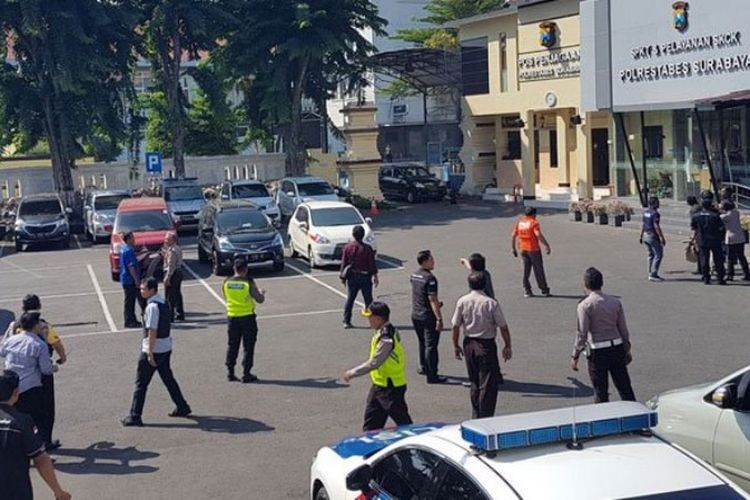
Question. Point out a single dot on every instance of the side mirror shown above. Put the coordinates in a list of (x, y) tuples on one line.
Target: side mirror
[(725, 397), (68, 210), (225, 196), (368, 220), (359, 478), (303, 226), (87, 207), (290, 194)]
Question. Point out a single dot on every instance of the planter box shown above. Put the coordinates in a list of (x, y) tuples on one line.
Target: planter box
[(628, 216), (576, 216), (602, 219), (616, 220), (590, 217)]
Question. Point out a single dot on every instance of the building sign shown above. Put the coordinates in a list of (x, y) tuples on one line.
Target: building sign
[(661, 58), (549, 65)]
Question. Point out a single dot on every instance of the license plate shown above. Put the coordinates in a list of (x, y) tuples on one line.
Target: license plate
[(256, 257)]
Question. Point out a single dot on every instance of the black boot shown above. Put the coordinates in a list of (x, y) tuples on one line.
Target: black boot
[(231, 376)]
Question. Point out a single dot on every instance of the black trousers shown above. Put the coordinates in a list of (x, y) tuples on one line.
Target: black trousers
[(534, 260), (605, 362), (132, 294), (357, 283), (428, 338), (483, 367), (143, 378), (704, 255), (384, 402), (31, 402), (48, 392), (173, 294), (241, 330), (737, 254)]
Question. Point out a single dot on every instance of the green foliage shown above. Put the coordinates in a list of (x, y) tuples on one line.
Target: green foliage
[(158, 132)]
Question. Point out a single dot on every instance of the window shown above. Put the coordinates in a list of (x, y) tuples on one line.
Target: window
[(183, 193), (456, 486), (314, 189), (503, 62), (287, 187), (301, 215), (109, 202), (513, 148), (143, 221), (654, 142), (345, 216), (250, 191), (475, 75), (40, 207), (407, 474), (242, 221), (553, 159)]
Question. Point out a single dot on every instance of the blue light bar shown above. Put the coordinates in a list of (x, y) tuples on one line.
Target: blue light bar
[(537, 428)]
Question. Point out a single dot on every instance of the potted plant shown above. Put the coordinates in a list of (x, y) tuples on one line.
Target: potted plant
[(587, 207), (629, 212), (575, 211), (616, 211), (745, 223), (600, 213)]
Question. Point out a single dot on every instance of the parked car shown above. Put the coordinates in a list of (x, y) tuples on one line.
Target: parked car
[(99, 210), (712, 421), (319, 230), (295, 190), (254, 191), (42, 218), (229, 229), (150, 221), (410, 182), (185, 200)]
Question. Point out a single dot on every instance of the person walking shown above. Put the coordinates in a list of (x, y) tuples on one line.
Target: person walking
[(26, 354), (172, 255), (603, 331), (156, 355), (734, 239), (241, 295), (359, 272), (480, 317), (653, 237), (477, 263), (426, 316), (130, 279), (387, 368), (21, 443), (709, 233), (528, 233)]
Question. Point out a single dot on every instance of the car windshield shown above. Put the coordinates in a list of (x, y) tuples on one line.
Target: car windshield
[(109, 202), (314, 189), (719, 492), (246, 220), (40, 207), (142, 221), (183, 193), (250, 191), (340, 216), (415, 172)]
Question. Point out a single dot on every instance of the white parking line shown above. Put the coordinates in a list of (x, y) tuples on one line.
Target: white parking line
[(205, 284), (316, 280), (102, 301), (23, 269)]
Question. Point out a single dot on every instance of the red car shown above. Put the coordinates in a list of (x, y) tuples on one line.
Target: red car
[(149, 220)]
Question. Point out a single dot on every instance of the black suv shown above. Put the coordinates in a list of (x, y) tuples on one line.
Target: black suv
[(411, 182), (228, 229), (42, 218)]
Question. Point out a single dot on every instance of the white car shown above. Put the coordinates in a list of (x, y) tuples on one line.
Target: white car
[(319, 230), (295, 190), (712, 421), (531, 455), (254, 191)]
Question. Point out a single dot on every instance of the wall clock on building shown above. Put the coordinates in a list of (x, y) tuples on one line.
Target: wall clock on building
[(551, 99)]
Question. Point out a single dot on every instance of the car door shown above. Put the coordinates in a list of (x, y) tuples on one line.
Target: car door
[(296, 233), (409, 473), (285, 197), (384, 181), (206, 231), (226, 191), (89, 212), (400, 185), (456, 485), (732, 437)]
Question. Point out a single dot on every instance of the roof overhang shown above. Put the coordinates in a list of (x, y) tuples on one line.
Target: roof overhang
[(424, 68), (731, 100)]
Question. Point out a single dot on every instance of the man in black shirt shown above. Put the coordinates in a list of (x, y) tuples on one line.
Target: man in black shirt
[(708, 232), (19, 442), (426, 316)]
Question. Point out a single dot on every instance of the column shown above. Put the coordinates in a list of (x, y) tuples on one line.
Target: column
[(528, 147), (585, 180), (563, 148)]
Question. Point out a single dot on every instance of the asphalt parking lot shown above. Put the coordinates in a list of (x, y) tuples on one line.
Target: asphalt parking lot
[(257, 441)]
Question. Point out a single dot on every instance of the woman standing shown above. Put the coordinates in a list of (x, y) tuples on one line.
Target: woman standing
[(653, 238), (734, 239)]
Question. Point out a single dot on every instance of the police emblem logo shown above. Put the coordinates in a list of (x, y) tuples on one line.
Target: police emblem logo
[(548, 34), (680, 16)]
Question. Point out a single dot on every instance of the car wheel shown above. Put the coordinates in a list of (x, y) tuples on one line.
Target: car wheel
[(64, 244), (278, 266), (216, 264), (322, 494), (311, 258), (292, 251), (115, 277), (202, 255), (411, 197)]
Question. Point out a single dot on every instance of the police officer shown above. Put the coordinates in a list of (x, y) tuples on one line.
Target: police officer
[(241, 294), (602, 328), (156, 353), (708, 233), (387, 369), (426, 316), (19, 443)]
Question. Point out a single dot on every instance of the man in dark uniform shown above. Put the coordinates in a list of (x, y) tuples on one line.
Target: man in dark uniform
[(426, 316), (708, 232), (362, 272), (241, 294), (602, 328), (19, 442), (156, 353), (387, 369)]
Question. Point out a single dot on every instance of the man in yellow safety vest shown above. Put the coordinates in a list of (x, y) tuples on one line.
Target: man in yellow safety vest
[(387, 369)]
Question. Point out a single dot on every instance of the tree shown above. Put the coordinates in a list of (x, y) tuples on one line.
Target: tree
[(285, 44), (175, 31), (69, 79)]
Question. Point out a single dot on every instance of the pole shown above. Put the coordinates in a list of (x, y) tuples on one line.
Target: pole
[(714, 182), (621, 122), (643, 159), (424, 131)]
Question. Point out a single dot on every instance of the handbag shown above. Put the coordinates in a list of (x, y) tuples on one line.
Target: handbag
[(691, 252)]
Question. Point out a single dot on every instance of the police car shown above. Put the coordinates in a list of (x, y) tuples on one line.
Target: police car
[(601, 451)]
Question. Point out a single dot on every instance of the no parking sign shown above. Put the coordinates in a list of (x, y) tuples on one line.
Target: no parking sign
[(153, 163)]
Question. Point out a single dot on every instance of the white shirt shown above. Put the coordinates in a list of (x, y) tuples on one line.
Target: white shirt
[(151, 322)]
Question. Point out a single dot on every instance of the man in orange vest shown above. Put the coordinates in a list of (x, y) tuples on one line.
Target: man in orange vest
[(528, 233)]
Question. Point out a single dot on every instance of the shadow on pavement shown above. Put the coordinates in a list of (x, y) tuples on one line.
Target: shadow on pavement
[(225, 425), (307, 383), (443, 213), (533, 390), (105, 458)]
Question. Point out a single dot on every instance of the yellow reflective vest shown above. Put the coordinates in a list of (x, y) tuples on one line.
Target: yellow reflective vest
[(394, 368), (237, 295)]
